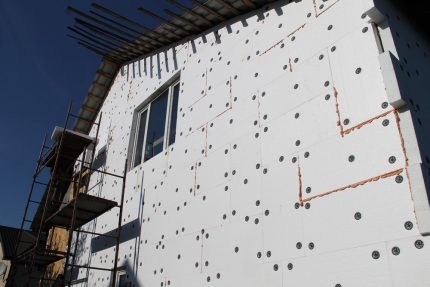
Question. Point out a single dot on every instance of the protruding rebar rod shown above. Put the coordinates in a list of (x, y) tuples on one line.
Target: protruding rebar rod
[(208, 9), (140, 34), (183, 20), (98, 50), (163, 20), (95, 20), (123, 41), (112, 28), (136, 24), (101, 53), (98, 45), (191, 12), (119, 48)]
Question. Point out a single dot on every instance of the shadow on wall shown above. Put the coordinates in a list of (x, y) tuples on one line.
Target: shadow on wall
[(127, 278), (129, 231), (140, 66)]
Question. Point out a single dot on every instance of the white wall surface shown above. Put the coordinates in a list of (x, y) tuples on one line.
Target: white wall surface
[(290, 166)]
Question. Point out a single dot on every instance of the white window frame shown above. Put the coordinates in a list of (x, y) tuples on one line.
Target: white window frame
[(169, 113), (147, 108), (118, 276), (136, 127)]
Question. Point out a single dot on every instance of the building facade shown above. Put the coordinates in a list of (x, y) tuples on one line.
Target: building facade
[(285, 147)]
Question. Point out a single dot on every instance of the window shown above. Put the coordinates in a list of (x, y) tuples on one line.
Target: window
[(155, 127), (121, 280), (174, 114)]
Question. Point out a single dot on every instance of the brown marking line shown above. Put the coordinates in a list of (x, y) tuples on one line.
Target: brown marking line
[(290, 64), (402, 140), (369, 121), (296, 30), (339, 122), (229, 108), (218, 115), (279, 42), (206, 146), (315, 8), (272, 47), (258, 110), (205, 94), (129, 91), (231, 92), (357, 184), (206, 80), (198, 100), (195, 179), (326, 8), (300, 185)]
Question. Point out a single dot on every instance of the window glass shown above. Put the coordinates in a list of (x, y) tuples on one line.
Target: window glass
[(174, 114), (156, 125), (140, 138), (122, 280)]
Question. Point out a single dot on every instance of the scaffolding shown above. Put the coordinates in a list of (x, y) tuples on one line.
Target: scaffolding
[(68, 149)]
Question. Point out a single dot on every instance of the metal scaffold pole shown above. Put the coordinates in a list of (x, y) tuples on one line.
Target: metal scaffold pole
[(118, 239), (65, 212)]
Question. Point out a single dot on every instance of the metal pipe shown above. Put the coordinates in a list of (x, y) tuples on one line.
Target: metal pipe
[(163, 20), (84, 119), (41, 183), (128, 28), (101, 53), (98, 234), (50, 188), (86, 184), (117, 47), (30, 194), (73, 221), (116, 23), (113, 28), (115, 37), (100, 47), (95, 268), (191, 12), (121, 208), (136, 24), (131, 37)]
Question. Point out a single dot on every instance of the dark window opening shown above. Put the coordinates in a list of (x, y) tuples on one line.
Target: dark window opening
[(174, 114), (155, 127)]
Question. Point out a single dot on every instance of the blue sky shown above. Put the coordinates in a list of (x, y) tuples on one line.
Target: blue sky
[(41, 71)]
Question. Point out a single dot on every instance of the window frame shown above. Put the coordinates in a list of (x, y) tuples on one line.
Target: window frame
[(120, 273), (146, 107)]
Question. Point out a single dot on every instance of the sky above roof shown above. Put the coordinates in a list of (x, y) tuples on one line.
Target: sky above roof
[(42, 70)]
